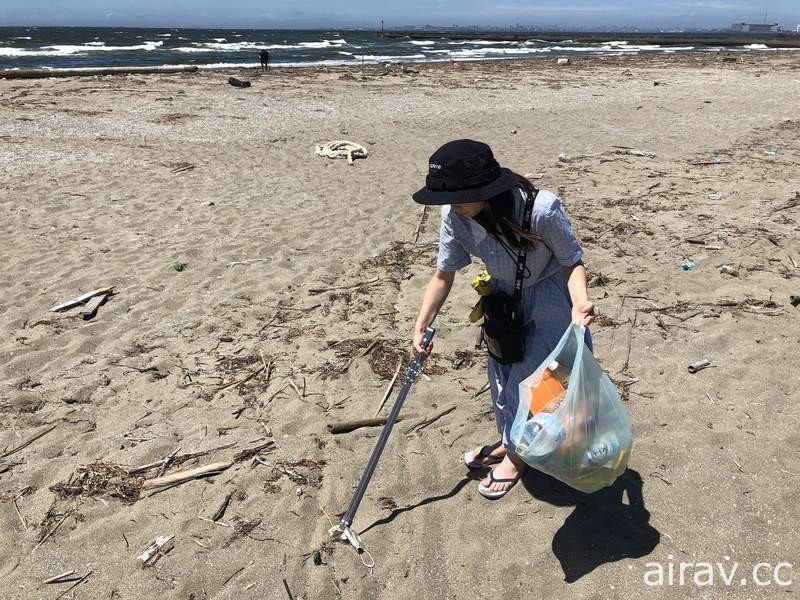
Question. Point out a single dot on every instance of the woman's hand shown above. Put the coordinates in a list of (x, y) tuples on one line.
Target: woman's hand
[(584, 312), (419, 333), (435, 295), (583, 309)]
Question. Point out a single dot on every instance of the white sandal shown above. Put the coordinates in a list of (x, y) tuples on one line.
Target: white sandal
[(476, 461), (486, 492)]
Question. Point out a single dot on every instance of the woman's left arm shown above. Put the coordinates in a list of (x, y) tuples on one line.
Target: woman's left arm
[(582, 307)]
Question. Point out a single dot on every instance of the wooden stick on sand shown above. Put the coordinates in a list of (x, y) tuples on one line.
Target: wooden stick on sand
[(390, 386), (348, 426), (184, 476), (28, 442), (81, 299)]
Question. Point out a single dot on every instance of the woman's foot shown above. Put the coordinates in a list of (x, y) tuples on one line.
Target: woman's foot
[(503, 477), (485, 456)]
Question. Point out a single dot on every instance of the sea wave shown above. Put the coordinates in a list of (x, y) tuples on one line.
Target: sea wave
[(757, 47), (478, 42), (478, 52), (421, 43), (65, 50), (240, 46), (192, 50), (399, 58)]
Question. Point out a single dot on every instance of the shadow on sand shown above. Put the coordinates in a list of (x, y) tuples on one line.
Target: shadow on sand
[(602, 528), (473, 476)]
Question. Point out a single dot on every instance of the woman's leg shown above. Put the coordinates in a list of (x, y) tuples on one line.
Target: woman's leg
[(504, 381), (507, 379), (497, 375)]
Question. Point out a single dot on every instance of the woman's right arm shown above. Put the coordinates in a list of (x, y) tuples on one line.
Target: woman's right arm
[(435, 295)]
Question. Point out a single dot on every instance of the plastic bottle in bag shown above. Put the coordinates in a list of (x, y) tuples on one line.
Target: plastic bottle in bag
[(542, 435), (550, 391), (603, 451)]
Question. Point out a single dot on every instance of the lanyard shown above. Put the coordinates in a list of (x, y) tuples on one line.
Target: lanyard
[(523, 252)]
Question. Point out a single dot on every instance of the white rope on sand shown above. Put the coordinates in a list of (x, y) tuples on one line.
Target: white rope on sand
[(341, 149)]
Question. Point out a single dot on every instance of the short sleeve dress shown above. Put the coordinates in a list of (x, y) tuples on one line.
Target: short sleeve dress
[(546, 305)]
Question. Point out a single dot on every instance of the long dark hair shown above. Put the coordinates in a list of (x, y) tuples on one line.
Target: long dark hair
[(498, 218)]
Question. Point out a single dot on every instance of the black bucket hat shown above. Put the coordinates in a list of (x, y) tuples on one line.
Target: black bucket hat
[(464, 171)]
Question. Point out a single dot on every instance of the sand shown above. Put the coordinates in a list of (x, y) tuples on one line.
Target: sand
[(110, 181)]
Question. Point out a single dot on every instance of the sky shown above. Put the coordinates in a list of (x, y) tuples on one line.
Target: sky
[(368, 13)]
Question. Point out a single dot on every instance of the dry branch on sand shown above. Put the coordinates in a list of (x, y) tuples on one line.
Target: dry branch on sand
[(184, 476)]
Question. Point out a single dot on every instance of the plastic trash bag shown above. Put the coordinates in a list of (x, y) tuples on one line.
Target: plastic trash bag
[(579, 432)]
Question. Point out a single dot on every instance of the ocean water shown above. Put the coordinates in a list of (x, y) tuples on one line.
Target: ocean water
[(37, 47)]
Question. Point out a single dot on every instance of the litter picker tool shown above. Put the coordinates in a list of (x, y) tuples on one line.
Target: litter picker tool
[(342, 531)]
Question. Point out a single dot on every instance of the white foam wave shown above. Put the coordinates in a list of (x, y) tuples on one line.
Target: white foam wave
[(22, 37), (60, 50), (323, 44), (478, 52), (192, 50), (219, 39), (378, 57), (164, 35), (477, 42), (240, 46), (757, 47), (421, 43)]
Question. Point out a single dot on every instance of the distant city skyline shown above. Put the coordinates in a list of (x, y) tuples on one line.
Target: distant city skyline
[(583, 14)]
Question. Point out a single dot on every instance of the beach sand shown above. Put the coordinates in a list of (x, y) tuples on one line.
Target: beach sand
[(307, 261)]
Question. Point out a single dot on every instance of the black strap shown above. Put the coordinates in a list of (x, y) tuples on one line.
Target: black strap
[(523, 252)]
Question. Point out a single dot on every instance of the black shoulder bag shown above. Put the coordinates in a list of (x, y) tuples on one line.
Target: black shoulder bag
[(502, 314)]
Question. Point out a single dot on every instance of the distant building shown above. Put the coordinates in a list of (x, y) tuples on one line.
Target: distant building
[(756, 27)]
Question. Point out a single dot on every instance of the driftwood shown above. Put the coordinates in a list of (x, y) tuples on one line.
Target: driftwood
[(160, 546), (60, 578), (348, 426), (52, 531), (45, 73), (389, 387), (74, 585), (422, 220), (251, 452), (240, 381), (483, 390), (223, 507), (91, 307), (184, 476), (425, 422), (81, 299), (699, 366), (28, 442), (288, 591), (177, 460)]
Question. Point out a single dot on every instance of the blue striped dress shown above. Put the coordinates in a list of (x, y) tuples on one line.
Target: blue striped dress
[(546, 304)]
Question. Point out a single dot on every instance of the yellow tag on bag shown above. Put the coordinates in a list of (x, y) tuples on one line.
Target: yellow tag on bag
[(483, 285)]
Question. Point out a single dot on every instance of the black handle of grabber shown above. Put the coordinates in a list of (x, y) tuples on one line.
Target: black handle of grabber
[(413, 371)]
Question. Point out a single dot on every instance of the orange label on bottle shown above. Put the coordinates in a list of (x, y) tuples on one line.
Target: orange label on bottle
[(546, 393)]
